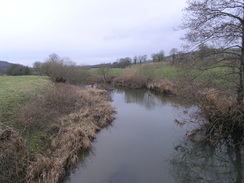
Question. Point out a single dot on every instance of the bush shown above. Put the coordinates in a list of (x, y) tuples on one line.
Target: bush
[(63, 70)]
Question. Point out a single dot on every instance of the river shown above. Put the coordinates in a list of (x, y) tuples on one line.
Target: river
[(145, 145)]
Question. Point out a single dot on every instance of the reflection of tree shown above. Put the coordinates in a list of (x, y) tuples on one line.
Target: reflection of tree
[(203, 163), (142, 97)]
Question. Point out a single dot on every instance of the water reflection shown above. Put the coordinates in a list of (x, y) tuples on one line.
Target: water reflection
[(146, 98), (144, 136), (203, 163), (136, 147)]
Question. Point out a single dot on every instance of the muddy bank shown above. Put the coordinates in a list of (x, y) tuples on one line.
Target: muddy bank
[(46, 138)]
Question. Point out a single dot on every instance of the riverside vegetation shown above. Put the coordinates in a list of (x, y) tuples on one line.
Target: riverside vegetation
[(44, 126), (39, 116), (213, 90), (212, 76), (206, 77)]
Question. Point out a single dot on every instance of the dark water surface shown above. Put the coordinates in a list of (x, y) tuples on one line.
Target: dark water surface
[(144, 145)]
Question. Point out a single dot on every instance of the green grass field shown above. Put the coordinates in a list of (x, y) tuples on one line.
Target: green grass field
[(164, 70), (15, 91), (159, 70)]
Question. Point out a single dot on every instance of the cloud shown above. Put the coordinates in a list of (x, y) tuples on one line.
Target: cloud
[(87, 30)]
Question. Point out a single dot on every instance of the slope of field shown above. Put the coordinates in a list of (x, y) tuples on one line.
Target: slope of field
[(16, 90)]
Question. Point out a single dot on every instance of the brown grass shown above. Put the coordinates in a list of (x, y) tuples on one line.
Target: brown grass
[(130, 78), (219, 116), (141, 78), (224, 119), (163, 85), (13, 156), (63, 122)]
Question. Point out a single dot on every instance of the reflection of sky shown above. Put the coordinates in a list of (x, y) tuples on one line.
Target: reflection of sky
[(136, 147), (144, 98), (202, 163)]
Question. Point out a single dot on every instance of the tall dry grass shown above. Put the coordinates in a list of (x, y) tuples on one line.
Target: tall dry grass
[(164, 86), (63, 122), (14, 156), (224, 119), (130, 78)]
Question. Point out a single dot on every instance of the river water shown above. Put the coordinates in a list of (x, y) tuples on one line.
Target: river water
[(145, 145)]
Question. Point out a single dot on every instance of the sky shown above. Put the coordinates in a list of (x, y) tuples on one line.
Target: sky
[(88, 31)]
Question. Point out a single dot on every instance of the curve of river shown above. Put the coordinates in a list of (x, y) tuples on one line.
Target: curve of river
[(144, 145)]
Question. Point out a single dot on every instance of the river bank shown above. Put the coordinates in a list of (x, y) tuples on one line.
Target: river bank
[(42, 140), (152, 146), (220, 113)]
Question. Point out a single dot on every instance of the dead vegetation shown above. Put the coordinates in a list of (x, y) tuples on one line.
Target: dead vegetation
[(13, 156), (142, 78), (163, 86), (220, 116), (224, 119), (53, 130), (130, 78)]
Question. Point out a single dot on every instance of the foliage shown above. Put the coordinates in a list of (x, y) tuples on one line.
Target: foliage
[(17, 69)]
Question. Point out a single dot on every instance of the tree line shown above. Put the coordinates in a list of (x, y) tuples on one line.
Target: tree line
[(16, 70)]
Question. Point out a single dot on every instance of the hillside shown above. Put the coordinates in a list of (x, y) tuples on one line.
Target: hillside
[(4, 65)]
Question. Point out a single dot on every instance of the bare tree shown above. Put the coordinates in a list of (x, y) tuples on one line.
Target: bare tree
[(219, 23), (144, 58), (158, 57), (173, 53), (37, 67), (215, 28), (63, 70), (191, 163), (135, 59), (125, 62), (104, 71)]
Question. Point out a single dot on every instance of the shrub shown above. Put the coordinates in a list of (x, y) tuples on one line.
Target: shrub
[(63, 70)]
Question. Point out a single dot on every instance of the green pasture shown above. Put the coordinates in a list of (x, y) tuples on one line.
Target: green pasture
[(15, 91)]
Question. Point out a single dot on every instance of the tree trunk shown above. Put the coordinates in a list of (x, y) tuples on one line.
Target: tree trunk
[(240, 91)]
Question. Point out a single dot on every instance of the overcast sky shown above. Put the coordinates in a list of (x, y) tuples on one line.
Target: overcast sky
[(87, 31)]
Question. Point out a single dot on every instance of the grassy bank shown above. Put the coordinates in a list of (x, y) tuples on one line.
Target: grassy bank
[(212, 87), (154, 76), (15, 91), (163, 77), (45, 127)]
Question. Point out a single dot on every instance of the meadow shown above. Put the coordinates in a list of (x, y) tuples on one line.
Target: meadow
[(15, 91), (173, 73), (37, 117)]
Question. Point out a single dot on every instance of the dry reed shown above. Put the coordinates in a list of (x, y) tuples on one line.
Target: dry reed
[(68, 118)]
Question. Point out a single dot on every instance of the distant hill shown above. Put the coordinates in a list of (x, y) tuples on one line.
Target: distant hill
[(4, 65)]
